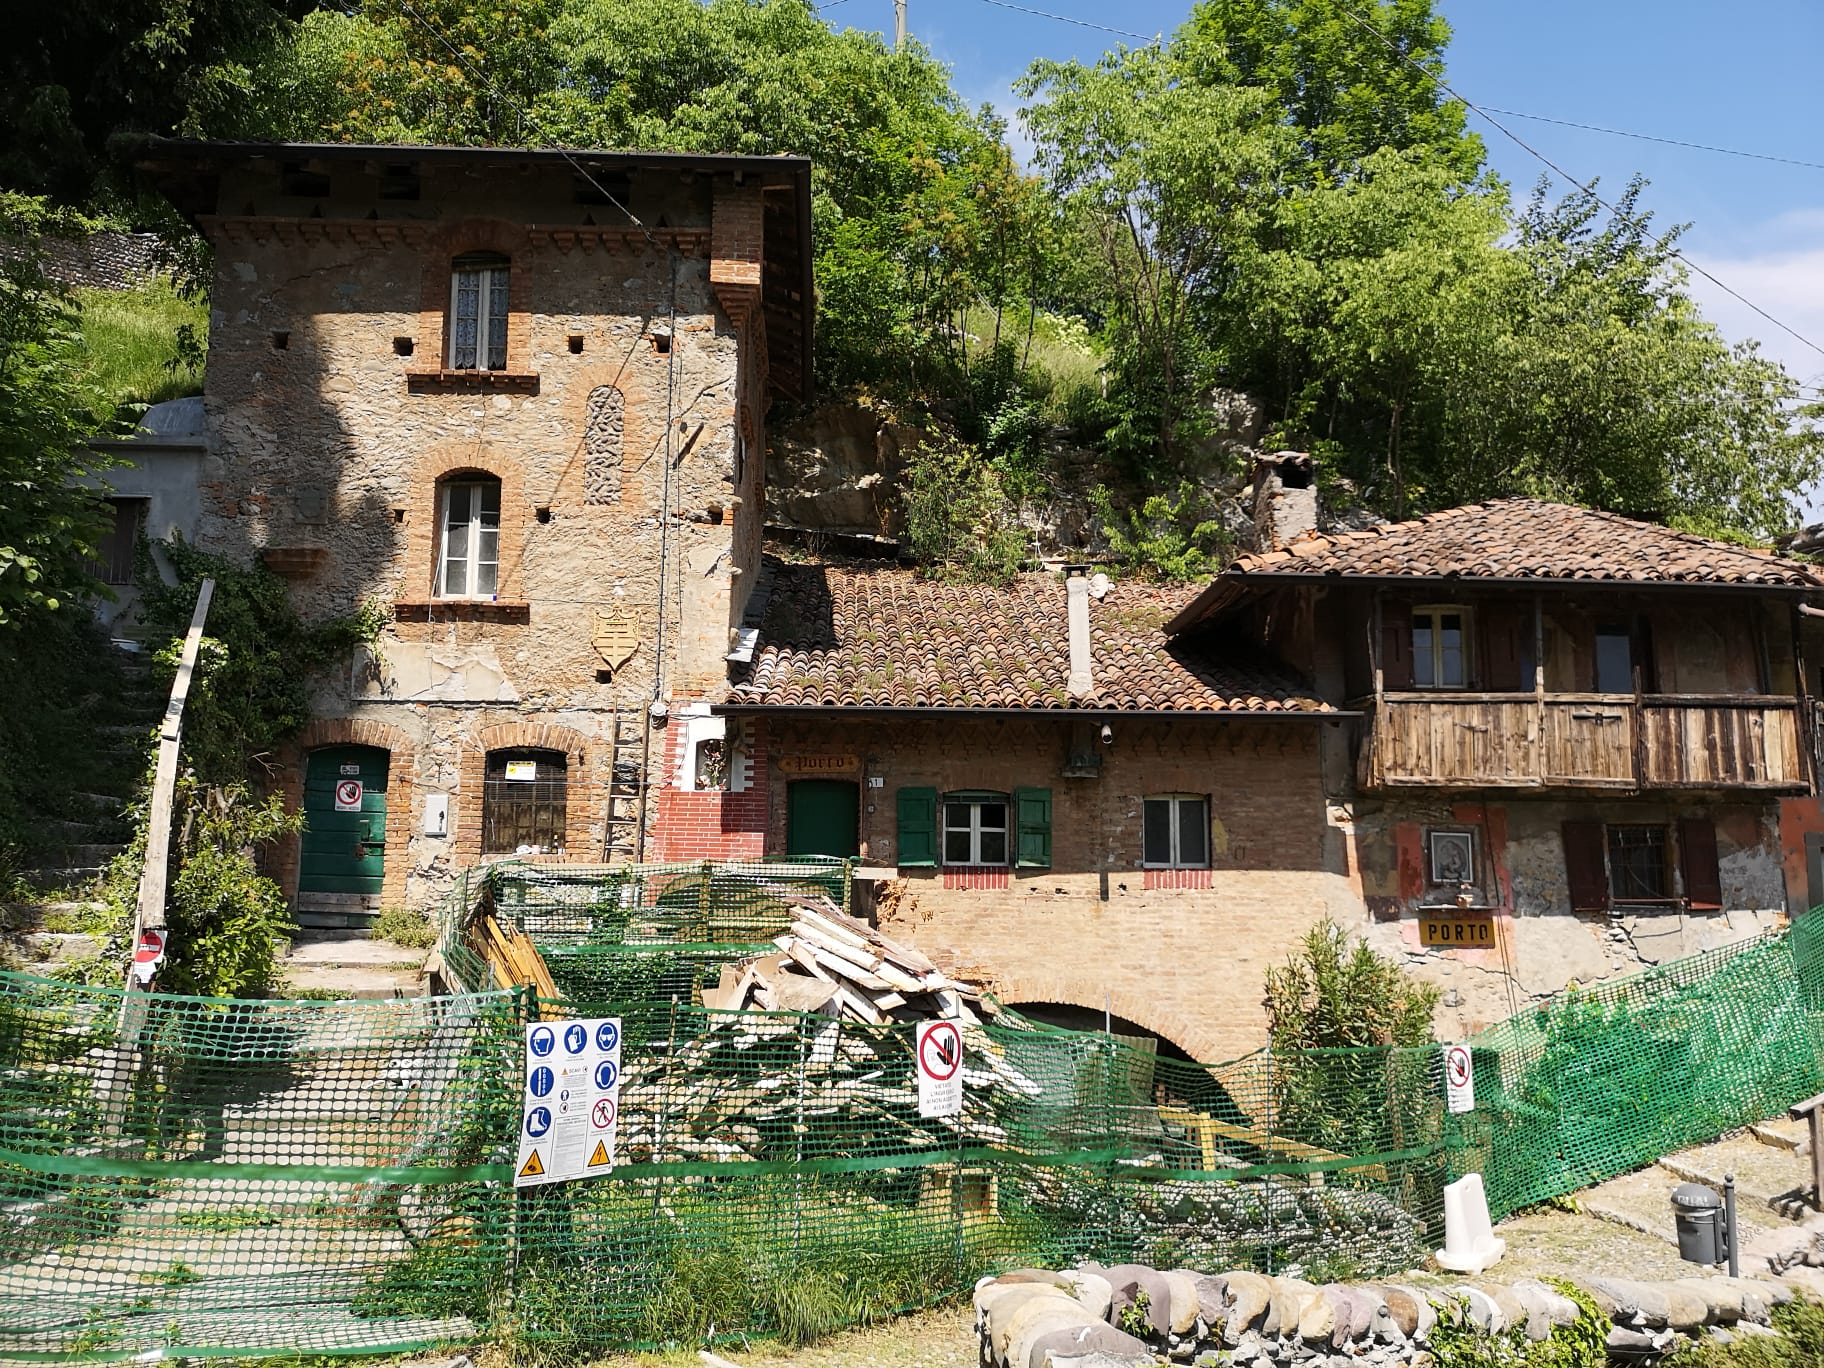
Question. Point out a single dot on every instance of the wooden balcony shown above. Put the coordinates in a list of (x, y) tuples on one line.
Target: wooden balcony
[(1584, 741)]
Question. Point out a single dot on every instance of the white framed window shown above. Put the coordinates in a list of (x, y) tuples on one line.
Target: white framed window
[(1175, 831), (478, 312), (468, 556), (975, 829), (1440, 647), (1450, 857)]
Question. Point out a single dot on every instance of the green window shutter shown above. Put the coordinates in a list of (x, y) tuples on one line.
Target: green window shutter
[(1033, 806), (917, 826)]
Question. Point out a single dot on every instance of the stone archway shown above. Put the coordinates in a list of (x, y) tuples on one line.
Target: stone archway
[(402, 774)]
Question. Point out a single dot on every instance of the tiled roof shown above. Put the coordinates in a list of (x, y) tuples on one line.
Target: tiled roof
[(859, 635), (1529, 539)]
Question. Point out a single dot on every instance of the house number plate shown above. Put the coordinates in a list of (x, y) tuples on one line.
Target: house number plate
[(1467, 933)]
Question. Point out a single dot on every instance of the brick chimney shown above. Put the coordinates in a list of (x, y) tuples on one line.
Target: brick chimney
[(1285, 498)]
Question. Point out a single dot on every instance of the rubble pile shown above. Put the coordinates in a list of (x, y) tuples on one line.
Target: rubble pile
[(1131, 1315)]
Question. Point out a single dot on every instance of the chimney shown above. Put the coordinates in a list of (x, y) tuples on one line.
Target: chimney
[(1285, 499), (1082, 682)]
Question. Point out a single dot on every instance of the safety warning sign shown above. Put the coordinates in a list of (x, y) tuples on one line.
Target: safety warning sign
[(572, 1100), (940, 1068), (1459, 1079), (348, 795)]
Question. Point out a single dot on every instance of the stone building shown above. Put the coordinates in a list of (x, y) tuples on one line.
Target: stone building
[(517, 400)]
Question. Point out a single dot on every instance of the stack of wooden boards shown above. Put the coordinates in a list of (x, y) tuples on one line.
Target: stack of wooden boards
[(832, 965), (514, 960)]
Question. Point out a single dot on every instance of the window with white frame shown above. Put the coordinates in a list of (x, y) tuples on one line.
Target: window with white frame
[(975, 829), (478, 312), (1440, 648), (468, 559), (1175, 832)]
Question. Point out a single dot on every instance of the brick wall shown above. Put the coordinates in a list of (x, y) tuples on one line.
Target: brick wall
[(727, 824)]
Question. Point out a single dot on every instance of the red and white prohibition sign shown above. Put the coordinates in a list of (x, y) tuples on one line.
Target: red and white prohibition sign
[(602, 1114), (1459, 1079), (940, 1051)]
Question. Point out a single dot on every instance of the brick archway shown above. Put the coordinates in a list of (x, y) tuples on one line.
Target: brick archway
[(1132, 1005), (401, 785), (432, 468), (580, 796)]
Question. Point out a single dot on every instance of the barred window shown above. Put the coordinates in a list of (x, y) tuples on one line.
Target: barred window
[(524, 802)]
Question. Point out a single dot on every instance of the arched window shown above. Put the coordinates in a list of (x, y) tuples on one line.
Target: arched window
[(524, 801), (478, 312), (468, 540)]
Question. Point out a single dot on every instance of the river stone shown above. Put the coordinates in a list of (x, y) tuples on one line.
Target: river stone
[(1083, 1345), (1250, 1301), (1427, 1314), (1635, 1342), (1212, 1300), (1354, 1311), (1513, 1310), (1126, 1279), (1402, 1308), (1541, 1306), (1316, 1317), (1483, 1311), (1687, 1308), (1639, 1302), (997, 1306), (1382, 1328), (1290, 1297), (1091, 1290), (1183, 1287), (1014, 1338)]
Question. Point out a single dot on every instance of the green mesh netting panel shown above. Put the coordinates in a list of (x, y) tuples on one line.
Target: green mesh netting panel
[(1602, 1080), (197, 1177)]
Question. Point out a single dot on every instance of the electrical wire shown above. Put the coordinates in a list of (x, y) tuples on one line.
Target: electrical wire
[(1589, 190), (1066, 19), (1647, 137)]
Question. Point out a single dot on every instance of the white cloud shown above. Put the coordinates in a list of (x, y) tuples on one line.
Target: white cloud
[(1789, 284)]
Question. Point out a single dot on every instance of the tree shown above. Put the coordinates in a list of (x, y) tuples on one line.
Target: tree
[(49, 524)]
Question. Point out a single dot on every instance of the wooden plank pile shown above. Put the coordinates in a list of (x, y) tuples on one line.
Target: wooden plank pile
[(514, 960), (830, 964)]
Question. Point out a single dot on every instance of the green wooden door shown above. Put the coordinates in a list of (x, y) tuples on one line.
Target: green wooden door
[(344, 844), (822, 817)]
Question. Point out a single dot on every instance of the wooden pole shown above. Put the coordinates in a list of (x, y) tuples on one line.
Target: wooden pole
[(1539, 748)]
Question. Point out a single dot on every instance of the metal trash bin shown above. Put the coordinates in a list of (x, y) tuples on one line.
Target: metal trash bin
[(1699, 1213)]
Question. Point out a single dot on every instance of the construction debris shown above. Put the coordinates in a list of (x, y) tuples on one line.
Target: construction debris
[(832, 965), (515, 962)]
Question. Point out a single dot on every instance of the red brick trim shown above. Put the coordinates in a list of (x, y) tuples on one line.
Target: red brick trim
[(442, 246), (401, 783), (421, 525), (580, 786), (468, 382), (1177, 878), (973, 877), (1195, 1038)]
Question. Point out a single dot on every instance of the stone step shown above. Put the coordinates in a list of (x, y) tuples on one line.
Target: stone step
[(1768, 1178), (358, 922)]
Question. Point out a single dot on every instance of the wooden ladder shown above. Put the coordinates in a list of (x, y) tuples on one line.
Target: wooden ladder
[(624, 819)]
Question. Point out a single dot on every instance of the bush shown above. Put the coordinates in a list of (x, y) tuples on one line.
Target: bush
[(959, 519), (402, 926)]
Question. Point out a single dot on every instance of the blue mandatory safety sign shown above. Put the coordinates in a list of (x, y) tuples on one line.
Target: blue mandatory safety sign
[(607, 1036), (542, 1041), (576, 1039), (538, 1121), (541, 1080), (605, 1075)]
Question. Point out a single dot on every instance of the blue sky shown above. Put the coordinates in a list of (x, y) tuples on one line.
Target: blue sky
[(1736, 76)]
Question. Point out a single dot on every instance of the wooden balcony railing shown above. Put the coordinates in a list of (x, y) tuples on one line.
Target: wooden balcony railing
[(1585, 741)]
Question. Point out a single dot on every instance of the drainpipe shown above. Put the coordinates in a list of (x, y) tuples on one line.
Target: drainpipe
[(1082, 681)]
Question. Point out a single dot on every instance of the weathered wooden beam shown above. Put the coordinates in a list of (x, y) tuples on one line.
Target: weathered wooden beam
[(153, 880)]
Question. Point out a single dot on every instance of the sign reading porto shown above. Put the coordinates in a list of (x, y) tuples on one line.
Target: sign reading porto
[(572, 1101), (940, 1068)]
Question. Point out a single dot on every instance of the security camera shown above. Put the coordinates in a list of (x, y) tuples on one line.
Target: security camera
[(1108, 735)]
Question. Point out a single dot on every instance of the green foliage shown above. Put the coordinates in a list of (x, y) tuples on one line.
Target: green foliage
[(1455, 1342), (1165, 537), (959, 519), (142, 346), (1133, 1318), (49, 526), (402, 926), (225, 917), (1800, 1343), (1339, 994)]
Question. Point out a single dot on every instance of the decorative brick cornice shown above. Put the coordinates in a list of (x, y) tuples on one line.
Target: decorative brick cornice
[(355, 232), (588, 237), (447, 381)]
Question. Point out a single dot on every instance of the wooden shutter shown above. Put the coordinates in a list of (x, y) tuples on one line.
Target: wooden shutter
[(1585, 866), (1697, 862), (1032, 807), (1499, 670), (917, 826), (1396, 646)]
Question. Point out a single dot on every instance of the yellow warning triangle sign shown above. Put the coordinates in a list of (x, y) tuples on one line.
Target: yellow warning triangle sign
[(600, 1156), (533, 1167)]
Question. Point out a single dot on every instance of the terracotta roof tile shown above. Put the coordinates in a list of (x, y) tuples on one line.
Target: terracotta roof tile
[(863, 635), (1530, 539)]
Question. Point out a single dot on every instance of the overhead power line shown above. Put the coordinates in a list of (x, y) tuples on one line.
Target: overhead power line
[(1589, 190), (1647, 137), (1066, 19)]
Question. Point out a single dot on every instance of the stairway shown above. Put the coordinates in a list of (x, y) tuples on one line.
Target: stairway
[(347, 964)]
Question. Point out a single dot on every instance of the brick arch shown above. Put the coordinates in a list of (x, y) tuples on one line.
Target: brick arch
[(422, 531), (451, 240), (579, 800), (401, 787), (1133, 1004)]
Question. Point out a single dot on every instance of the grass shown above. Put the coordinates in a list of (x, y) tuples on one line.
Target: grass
[(403, 927), (132, 342), (230, 1219)]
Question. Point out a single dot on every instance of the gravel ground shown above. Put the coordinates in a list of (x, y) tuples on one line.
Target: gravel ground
[(931, 1339)]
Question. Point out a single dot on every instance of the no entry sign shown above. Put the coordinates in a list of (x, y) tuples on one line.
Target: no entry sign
[(940, 1068), (148, 954), (1459, 1079), (348, 795)]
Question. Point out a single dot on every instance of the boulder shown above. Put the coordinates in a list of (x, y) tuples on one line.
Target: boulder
[(996, 1308), (1317, 1317), (1014, 1341), (1212, 1300), (1128, 1280), (1425, 1315), (1635, 1302), (1185, 1305), (1088, 1346), (1249, 1302), (1484, 1311), (1092, 1290), (1623, 1341), (1402, 1308), (1290, 1296), (1687, 1308), (1354, 1312)]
